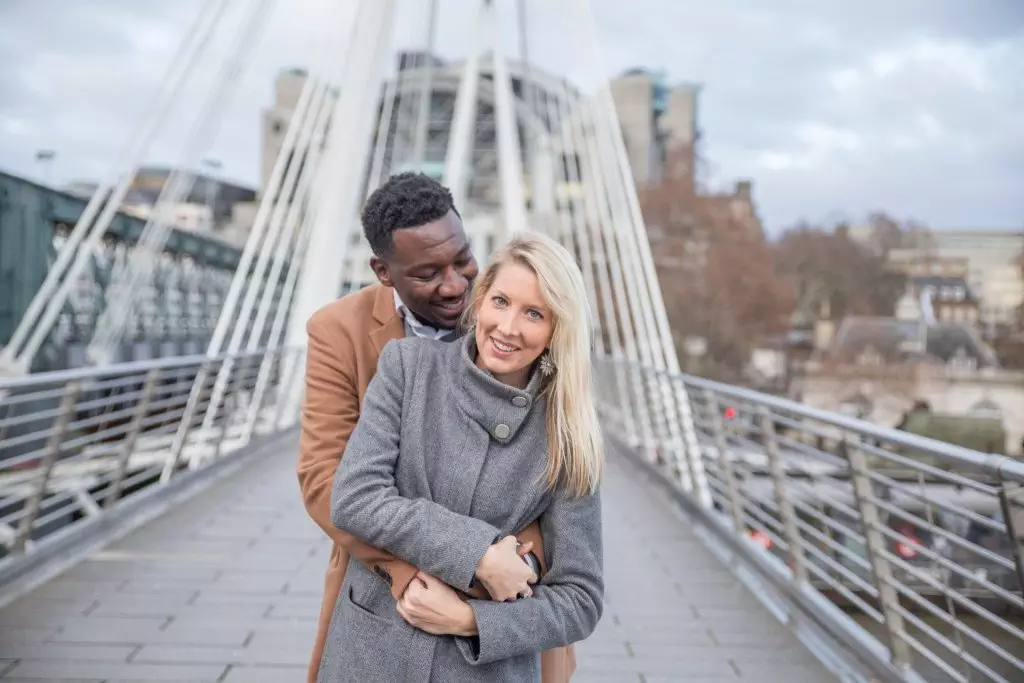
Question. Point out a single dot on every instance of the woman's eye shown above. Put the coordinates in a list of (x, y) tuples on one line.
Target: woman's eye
[(499, 301), (535, 314)]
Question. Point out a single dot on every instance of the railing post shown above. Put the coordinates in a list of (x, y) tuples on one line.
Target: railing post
[(35, 500), (786, 511), (899, 649), (185, 426), (262, 380), (1011, 496), (131, 437), (724, 461), (284, 387), (691, 448)]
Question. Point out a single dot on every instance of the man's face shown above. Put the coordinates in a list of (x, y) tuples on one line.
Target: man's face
[(432, 269)]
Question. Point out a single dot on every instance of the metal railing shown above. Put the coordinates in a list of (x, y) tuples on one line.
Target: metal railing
[(920, 542), (75, 444)]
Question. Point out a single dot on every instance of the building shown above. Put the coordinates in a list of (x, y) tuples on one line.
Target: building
[(989, 261), (884, 369), (393, 149), (659, 125), (949, 296), (287, 90), (208, 207), (177, 309)]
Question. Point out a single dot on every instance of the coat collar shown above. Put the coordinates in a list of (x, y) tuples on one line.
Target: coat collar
[(499, 408)]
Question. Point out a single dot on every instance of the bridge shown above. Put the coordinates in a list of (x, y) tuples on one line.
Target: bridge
[(150, 523)]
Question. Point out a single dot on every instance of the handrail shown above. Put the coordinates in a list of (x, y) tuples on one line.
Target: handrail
[(75, 444), (995, 465), (923, 540), (114, 369)]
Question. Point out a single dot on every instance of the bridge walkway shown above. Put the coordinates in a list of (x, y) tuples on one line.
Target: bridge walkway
[(226, 587)]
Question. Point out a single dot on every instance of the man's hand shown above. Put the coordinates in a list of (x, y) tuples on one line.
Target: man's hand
[(433, 606), (503, 571)]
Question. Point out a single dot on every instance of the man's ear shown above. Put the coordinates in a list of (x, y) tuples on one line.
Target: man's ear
[(380, 269)]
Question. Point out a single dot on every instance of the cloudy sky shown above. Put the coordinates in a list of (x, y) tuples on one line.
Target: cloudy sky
[(834, 108)]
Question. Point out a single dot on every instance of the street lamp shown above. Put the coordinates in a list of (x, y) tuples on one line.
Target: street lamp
[(45, 158), (211, 189)]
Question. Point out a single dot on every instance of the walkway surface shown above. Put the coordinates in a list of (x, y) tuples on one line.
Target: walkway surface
[(227, 588)]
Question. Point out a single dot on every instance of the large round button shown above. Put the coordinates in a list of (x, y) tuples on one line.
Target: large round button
[(519, 401), (502, 431)]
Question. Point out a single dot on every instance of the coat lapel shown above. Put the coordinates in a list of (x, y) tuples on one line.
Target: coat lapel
[(391, 324)]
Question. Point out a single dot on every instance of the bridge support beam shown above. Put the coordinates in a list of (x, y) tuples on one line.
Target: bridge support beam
[(341, 178)]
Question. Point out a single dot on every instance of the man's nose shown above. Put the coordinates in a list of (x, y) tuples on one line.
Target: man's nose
[(453, 284)]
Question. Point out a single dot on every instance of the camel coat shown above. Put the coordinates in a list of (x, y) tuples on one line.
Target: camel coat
[(346, 338)]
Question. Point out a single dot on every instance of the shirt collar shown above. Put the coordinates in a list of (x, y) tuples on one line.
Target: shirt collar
[(413, 323)]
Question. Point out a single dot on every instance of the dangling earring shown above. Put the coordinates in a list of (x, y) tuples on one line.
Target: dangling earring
[(547, 367)]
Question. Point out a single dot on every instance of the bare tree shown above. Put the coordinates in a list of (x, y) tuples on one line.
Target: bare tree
[(717, 272), (830, 270)]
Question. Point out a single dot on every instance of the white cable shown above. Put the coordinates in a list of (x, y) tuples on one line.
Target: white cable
[(110, 330), (256, 243), (259, 279), (426, 90), (510, 163), (49, 300), (458, 156), (610, 267), (351, 129), (671, 361), (297, 253), (383, 134)]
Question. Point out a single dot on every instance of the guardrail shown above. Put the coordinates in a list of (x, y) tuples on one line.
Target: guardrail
[(921, 542), (76, 444)]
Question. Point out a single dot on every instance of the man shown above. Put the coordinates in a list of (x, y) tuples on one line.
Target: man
[(425, 269)]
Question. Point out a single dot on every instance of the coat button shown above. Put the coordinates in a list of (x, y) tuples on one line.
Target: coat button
[(519, 401), (502, 431)]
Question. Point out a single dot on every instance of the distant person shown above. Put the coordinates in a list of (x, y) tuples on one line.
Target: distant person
[(425, 269), (457, 445)]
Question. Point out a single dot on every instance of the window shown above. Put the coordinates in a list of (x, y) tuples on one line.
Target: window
[(986, 408), (961, 360)]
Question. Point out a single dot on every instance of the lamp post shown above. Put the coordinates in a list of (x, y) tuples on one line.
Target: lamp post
[(213, 165), (45, 158)]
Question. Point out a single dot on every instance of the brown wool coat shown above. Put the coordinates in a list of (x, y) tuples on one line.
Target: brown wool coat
[(345, 341)]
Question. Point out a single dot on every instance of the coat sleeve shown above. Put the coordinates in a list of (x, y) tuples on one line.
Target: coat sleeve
[(330, 409), (566, 604), (366, 502)]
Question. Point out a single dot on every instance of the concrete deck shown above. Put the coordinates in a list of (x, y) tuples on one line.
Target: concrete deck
[(227, 588)]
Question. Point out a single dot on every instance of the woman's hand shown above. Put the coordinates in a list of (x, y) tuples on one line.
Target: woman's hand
[(433, 606), (504, 573)]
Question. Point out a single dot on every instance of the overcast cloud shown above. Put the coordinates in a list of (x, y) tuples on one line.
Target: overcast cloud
[(833, 108)]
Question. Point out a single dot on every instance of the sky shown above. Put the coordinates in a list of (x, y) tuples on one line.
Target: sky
[(833, 109)]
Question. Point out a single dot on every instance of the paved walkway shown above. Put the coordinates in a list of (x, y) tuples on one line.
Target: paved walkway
[(227, 588)]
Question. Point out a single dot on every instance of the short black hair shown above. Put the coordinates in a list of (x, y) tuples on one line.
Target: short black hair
[(406, 200)]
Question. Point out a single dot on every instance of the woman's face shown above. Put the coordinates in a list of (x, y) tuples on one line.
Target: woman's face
[(513, 325)]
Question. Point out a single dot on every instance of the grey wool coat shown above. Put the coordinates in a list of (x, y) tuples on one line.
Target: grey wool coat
[(444, 461)]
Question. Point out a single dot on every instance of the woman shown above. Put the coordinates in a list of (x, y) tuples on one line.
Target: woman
[(457, 446)]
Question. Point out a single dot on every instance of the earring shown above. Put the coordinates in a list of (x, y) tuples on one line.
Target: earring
[(547, 367)]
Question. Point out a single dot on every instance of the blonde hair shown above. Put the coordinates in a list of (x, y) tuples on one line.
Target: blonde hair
[(575, 444)]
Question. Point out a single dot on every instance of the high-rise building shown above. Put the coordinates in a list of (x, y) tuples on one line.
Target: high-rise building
[(659, 125)]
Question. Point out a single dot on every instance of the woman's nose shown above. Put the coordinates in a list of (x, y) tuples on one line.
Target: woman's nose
[(507, 324)]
